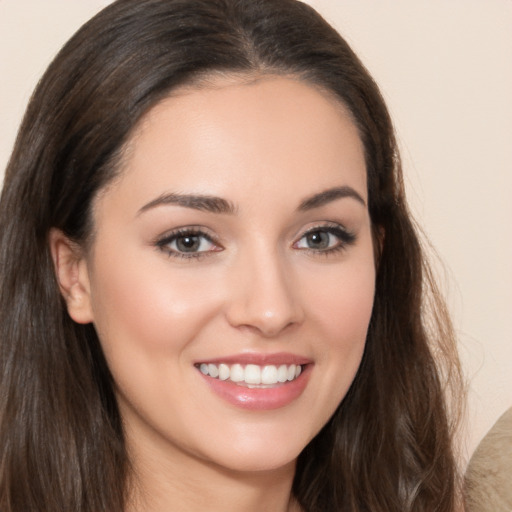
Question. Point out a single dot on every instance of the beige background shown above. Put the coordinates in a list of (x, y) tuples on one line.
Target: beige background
[(445, 68)]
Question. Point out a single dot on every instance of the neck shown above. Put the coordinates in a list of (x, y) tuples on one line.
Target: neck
[(184, 483)]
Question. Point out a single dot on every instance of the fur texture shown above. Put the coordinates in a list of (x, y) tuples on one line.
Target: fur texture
[(488, 481)]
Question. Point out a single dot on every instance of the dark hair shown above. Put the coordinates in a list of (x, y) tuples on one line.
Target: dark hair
[(388, 446)]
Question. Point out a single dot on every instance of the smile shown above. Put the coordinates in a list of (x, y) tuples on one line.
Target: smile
[(252, 375), (257, 382)]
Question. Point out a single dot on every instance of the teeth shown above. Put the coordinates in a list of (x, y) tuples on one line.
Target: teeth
[(223, 372), (252, 374), (269, 375), (282, 373), (236, 373), (213, 371)]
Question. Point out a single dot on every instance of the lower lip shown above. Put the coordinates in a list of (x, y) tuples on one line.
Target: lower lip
[(259, 399)]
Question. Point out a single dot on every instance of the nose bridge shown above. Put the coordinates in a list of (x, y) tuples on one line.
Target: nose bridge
[(264, 296)]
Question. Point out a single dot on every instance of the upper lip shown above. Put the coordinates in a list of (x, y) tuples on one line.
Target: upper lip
[(259, 359)]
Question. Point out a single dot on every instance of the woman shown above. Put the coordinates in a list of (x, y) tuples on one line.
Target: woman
[(212, 293)]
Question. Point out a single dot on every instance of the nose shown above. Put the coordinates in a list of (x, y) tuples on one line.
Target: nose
[(264, 296)]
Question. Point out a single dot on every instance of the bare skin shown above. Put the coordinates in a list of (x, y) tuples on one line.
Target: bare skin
[(238, 232)]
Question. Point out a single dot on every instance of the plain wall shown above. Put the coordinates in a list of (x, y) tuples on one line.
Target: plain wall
[(445, 69)]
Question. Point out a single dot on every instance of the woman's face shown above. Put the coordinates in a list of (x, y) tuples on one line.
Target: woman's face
[(233, 252)]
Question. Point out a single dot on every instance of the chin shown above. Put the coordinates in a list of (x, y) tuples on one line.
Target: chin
[(259, 454), (259, 462)]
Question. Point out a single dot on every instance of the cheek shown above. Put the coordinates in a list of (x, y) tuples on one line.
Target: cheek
[(342, 310), (139, 305), (350, 309), (344, 303)]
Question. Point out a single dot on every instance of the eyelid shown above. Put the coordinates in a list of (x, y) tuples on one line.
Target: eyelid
[(345, 236), (163, 242), (345, 239)]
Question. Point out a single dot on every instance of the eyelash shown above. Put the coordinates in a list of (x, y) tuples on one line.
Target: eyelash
[(164, 243), (345, 239)]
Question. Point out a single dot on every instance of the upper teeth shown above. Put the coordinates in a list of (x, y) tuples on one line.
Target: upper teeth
[(252, 374)]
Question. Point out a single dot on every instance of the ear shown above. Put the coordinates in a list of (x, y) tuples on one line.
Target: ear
[(72, 275)]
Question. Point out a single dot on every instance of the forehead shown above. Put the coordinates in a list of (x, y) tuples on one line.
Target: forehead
[(233, 137)]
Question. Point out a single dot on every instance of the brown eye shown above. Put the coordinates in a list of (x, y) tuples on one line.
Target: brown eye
[(186, 243)]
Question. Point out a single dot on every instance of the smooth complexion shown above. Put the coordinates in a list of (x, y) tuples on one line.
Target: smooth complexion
[(237, 232)]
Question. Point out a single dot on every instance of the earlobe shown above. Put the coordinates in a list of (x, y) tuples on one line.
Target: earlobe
[(72, 275)]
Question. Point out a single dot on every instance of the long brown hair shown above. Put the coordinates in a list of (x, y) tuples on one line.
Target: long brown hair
[(388, 447)]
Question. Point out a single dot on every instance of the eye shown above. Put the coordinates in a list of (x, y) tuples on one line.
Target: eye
[(317, 240), (187, 243), (325, 239)]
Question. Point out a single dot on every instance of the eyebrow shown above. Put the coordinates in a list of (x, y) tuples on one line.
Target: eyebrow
[(329, 195), (195, 201), (213, 204)]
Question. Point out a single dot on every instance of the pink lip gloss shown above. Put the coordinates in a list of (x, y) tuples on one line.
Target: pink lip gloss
[(260, 397)]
